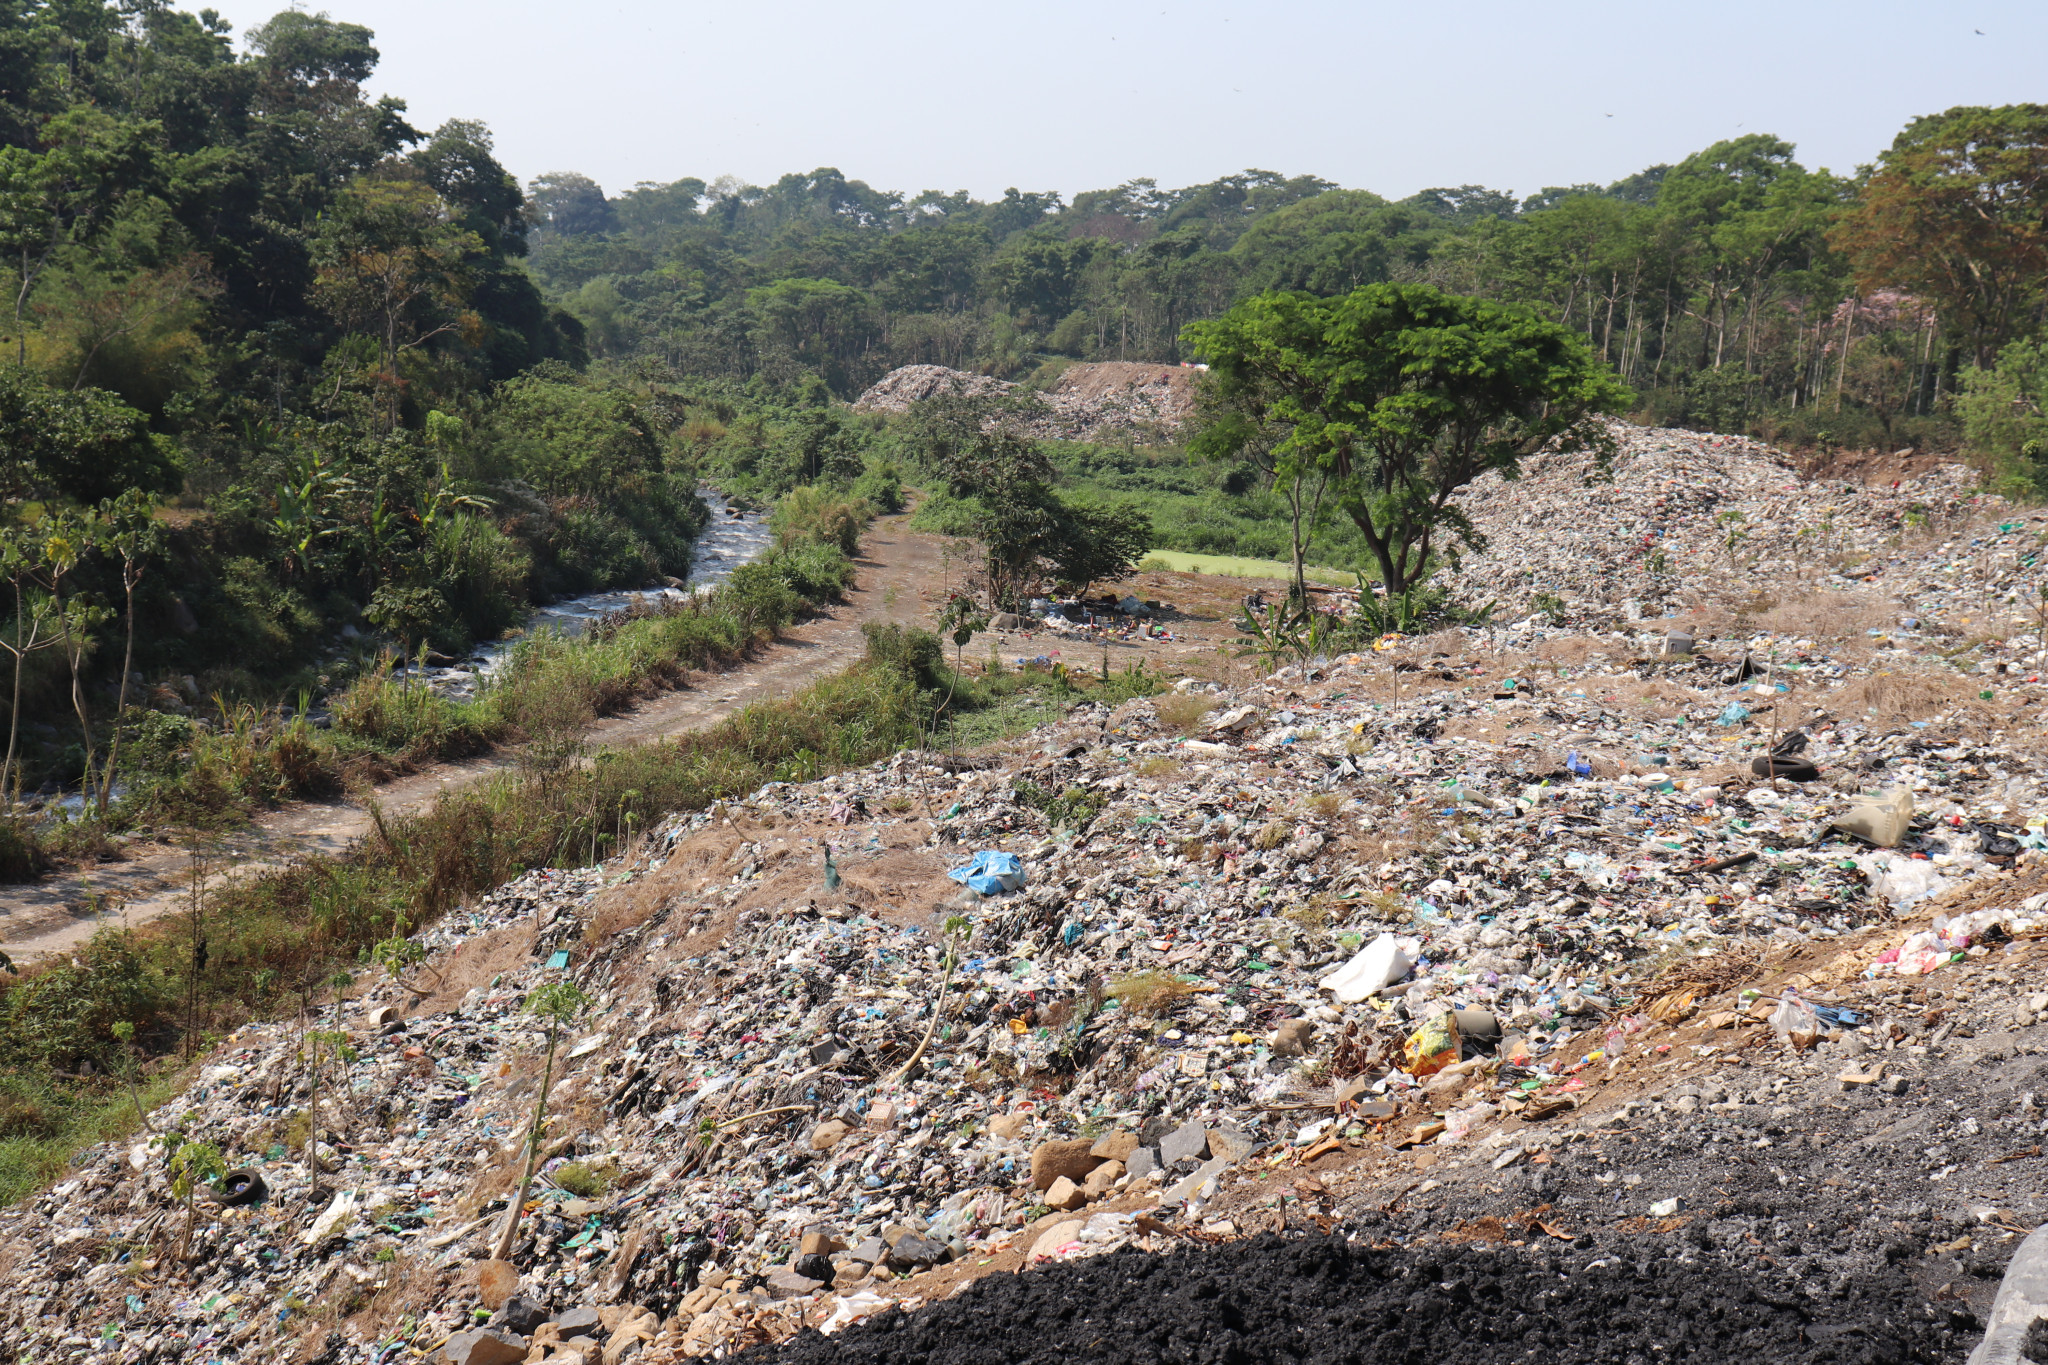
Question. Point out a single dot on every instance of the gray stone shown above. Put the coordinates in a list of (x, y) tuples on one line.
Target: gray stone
[(914, 1252), (580, 1322), (787, 1284), (485, 1346), (870, 1251), (1189, 1142), (1230, 1144), (521, 1313), (1143, 1161)]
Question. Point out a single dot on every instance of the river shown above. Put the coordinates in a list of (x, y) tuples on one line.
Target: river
[(729, 539)]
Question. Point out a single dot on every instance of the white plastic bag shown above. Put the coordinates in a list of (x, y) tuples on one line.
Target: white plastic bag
[(1379, 963), (1795, 1022)]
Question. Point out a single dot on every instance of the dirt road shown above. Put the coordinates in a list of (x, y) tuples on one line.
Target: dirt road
[(900, 577)]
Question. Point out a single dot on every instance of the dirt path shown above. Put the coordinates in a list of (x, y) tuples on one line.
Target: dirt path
[(899, 578)]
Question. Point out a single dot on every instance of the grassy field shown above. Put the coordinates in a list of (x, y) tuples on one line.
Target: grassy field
[(1237, 566)]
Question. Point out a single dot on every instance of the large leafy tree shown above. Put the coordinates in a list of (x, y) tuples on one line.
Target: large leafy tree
[(980, 448), (1406, 394), (1957, 211)]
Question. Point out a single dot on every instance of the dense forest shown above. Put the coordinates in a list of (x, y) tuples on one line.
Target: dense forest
[(1736, 288), (287, 383)]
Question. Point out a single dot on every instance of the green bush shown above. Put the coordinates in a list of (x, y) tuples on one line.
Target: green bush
[(814, 572), (486, 574), (816, 516), (758, 596), (880, 486), (2004, 411)]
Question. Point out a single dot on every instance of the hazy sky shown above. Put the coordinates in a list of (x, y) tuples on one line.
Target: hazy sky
[(1070, 96)]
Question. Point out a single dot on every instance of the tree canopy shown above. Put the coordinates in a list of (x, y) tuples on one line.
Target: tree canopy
[(1405, 394)]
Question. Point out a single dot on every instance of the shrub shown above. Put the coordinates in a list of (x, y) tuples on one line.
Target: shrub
[(814, 572), (1183, 710), (759, 598), (880, 486), (817, 516), (586, 1179)]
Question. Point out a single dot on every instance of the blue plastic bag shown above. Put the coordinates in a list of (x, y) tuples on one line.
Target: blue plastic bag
[(990, 872), (1734, 713)]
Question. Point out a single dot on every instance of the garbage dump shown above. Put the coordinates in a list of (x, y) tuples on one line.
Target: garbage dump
[(1693, 905), (1076, 996)]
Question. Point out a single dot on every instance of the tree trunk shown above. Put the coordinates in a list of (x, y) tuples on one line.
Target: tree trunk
[(129, 578), (510, 1235)]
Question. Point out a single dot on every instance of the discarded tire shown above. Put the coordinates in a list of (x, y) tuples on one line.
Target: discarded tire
[(241, 1186)]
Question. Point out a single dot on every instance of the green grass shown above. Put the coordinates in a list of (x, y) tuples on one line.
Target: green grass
[(43, 1127), (551, 688), (1207, 511), (1236, 566)]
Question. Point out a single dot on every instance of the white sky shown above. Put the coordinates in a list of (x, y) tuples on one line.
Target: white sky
[(1066, 96)]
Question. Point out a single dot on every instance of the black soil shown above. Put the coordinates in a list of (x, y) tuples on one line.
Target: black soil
[(1330, 1302)]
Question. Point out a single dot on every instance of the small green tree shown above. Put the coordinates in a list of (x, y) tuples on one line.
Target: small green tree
[(191, 1163), (130, 530), (560, 1003), (333, 1043), (35, 615), (957, 931)]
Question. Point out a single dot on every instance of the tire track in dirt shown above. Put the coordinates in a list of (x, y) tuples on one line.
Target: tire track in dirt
[(899, 577)]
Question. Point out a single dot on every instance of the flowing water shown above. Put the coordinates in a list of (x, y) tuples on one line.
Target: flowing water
[(729, 539)]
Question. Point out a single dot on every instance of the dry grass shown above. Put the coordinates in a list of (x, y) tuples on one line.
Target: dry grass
[(1899, 698), (1271, 835), (1161, 768), (1151, 993), (1825, 615), (1313, 914), (1324, 805), (1182, 711)]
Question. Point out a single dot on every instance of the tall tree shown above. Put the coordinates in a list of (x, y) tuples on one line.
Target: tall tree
[(1957, 211), (1406, 394)]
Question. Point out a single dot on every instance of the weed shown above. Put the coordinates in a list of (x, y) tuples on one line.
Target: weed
[(587, 1180), (1271, 835), (1150, 993), (1161, 768), (1325, 805), (1070, 809), (1182, 711)]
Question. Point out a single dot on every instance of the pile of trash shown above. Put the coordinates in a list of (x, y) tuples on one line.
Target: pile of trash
[(849, 1037), (1682, 518), (1092, 402), (1110, 399), (901, 388)]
